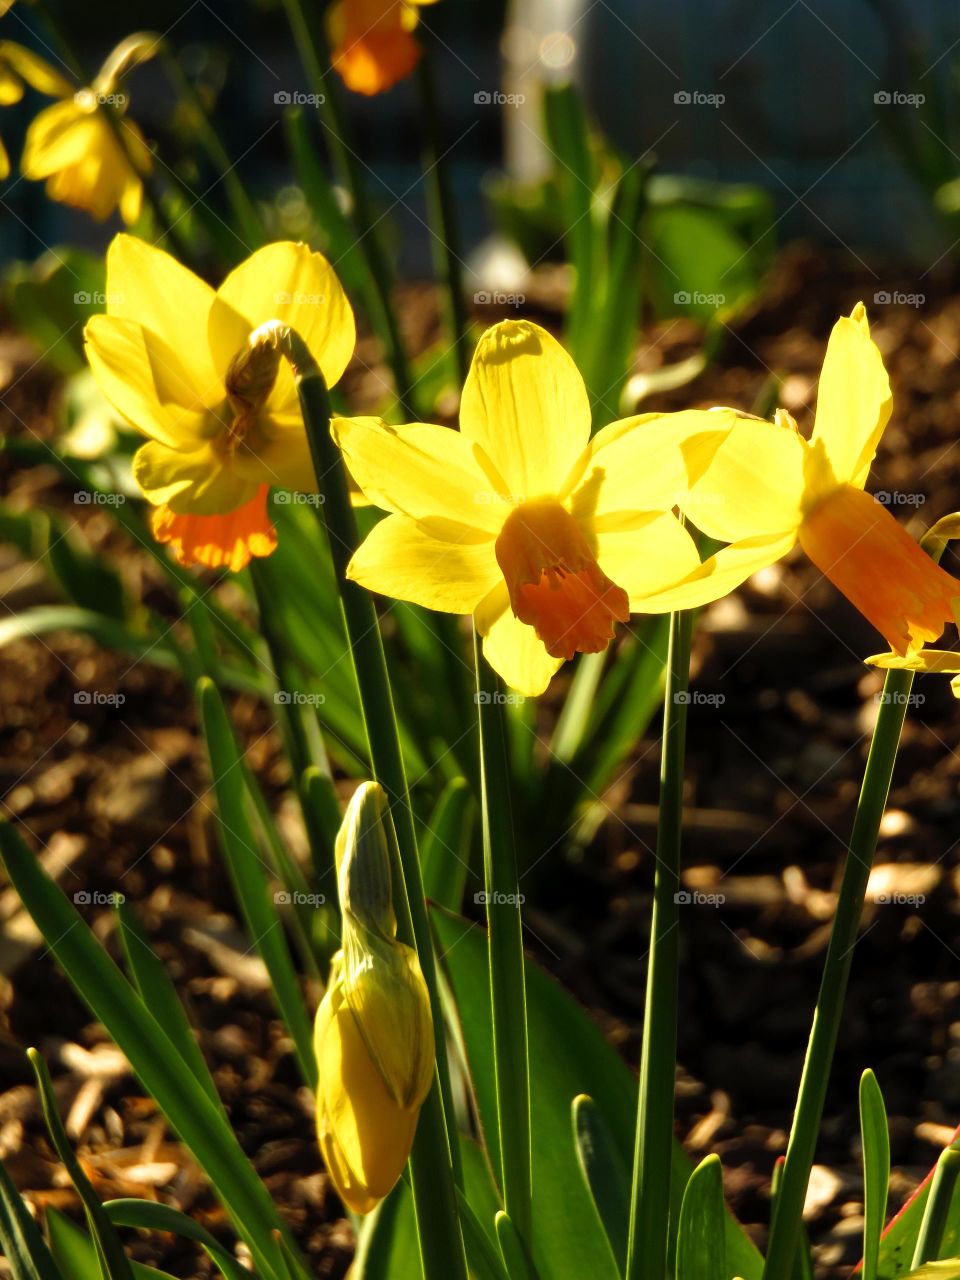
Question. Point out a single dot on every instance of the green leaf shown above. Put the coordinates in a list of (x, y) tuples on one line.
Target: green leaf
[(876, 1170), (157, 1064), (149, 1215), (701, 1243), (76, 1254), (485, 1261), (159, 995), (699, 265), (606, 1175), (568, 1056), (388, 1245), (86, 579), (21, 1243), (250, 875), (445, 848), (52, 299), (109, 1250), (515, 1257)]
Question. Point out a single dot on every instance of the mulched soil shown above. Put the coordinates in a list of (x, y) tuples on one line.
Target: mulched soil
[(777, 743)]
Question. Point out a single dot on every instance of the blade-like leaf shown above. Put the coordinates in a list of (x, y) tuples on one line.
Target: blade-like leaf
[(148, 1215), (606, 1175), (250, 875), (21, 1243), (876, 1170), (445, 849), (76, 1254), (701, 1243), (515, 1257)]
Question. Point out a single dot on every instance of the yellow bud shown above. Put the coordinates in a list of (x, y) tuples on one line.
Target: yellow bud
[(374, 1030)]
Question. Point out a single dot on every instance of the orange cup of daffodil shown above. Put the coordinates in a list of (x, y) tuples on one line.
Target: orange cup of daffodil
[(168, 355), (373, 43)]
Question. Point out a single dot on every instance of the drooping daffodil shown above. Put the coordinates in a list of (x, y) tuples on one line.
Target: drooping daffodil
[(171, 355), (373, 1037), (548, 538), (372, 42), (768, 488), (20, 67)]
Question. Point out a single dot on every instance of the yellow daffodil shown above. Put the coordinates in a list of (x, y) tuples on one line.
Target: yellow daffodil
[(73, 146), (372, 40), (546, 537), (20, 67), (374, 1031), (173, 358), (768, 488)]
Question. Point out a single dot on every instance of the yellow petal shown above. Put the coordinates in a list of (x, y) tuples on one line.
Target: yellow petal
[(364, 1135), (944, 661), (647, 462), (11, 86), (59, 135), (419, 471), (719, 575), (277, 452), (288, 282), (854, 400), (194, 481), (36, 71), (753, 486), (645, 554), (512, 648), (143, 380), (4, 162), (150, 286), (400, 558), (525, 405)]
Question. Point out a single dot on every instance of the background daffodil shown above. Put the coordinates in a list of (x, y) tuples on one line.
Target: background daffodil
[(20, 67), (373, 45), (546, 537), (167, 355), (768, 488)]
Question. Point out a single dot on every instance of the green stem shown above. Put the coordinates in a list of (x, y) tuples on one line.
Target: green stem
[(505, 944), (435, 1159), (446, 238), (248, 220), (785, 1228), (310, 41), (937, 1211), (653, 1152)]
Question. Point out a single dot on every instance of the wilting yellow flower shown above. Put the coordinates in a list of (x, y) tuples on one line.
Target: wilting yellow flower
[(173, 357), (546, 537), (768, 488), (374, 1031), (373, 45)]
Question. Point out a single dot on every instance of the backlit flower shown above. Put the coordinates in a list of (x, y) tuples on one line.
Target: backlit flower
[(372, 40), (173, 357), (768, 488), (20, 67), (374, 1031), (548, 538)]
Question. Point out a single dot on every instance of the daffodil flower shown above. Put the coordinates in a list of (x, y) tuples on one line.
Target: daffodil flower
[(20, 67), (548, 538), (171, 355), (768, 488), (373, 1036), (373, 44)]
